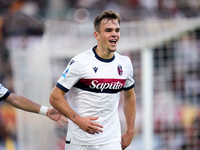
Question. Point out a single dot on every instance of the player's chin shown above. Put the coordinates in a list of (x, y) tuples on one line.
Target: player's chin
[(112, 49)]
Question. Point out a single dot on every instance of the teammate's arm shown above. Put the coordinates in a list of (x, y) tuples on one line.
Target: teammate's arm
[(87, 124), (129, 108), (22, 103), (25, 104)]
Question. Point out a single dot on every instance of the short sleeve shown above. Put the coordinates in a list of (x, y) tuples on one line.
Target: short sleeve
[(70, 76), (4, 93), (130, 82)]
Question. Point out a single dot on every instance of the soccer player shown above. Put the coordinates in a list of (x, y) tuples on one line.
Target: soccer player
[(27, 105), (93, 81)]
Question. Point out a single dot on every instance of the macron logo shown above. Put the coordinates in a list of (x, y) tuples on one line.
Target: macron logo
[(95, 69)]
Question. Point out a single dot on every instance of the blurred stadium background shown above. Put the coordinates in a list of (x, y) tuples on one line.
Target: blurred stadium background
[(162, 38)]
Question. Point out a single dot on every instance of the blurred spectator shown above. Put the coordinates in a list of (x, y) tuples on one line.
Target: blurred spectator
[(127, 8), (17, 21), (19, 24)]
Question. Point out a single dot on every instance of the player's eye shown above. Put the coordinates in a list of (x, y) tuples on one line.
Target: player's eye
[(117, 30), (108, 30)]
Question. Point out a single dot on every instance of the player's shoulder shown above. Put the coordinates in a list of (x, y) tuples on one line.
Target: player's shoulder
[(123, 58), (83, 56)]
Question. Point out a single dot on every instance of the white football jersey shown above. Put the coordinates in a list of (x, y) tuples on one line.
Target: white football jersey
[(4, 93), (94, 85)]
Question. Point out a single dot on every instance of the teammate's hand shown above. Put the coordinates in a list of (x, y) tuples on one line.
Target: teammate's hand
[(63, 118), (53, 114), (88, 125)]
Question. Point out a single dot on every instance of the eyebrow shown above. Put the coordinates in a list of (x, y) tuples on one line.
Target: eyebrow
[(110, 29)]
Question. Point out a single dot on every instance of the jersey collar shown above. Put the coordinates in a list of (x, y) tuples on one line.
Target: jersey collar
[(101, 59)]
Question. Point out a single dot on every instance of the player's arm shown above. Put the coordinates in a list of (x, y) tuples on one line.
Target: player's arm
[(129, 108), (25, 104), (58, 101)]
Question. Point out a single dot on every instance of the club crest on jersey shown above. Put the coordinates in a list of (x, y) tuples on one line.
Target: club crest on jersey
[(65, 73), (120, 71)]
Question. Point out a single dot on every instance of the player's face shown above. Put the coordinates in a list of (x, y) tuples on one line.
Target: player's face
[(109, 34)]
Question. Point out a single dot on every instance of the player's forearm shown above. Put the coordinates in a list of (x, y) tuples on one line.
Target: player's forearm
[(23, 103), (61, 105), (130, 110)]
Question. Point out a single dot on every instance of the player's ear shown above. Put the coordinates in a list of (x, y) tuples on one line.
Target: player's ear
[(96, 35)]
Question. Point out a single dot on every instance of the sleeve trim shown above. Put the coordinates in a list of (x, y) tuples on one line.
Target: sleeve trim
[(128, 88), (5, 95), (62, 87)]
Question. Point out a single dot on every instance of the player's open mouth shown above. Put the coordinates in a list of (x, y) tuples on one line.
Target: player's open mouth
[(113, 41)]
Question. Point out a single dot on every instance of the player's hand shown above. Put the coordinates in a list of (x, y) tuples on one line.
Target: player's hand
[(53, 114), (126, 139), (62, 118), (88, 125)]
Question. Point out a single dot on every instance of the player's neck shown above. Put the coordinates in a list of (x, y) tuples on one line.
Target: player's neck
[(104, 53)]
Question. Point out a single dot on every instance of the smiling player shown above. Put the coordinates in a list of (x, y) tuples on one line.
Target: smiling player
[(93, 81)]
